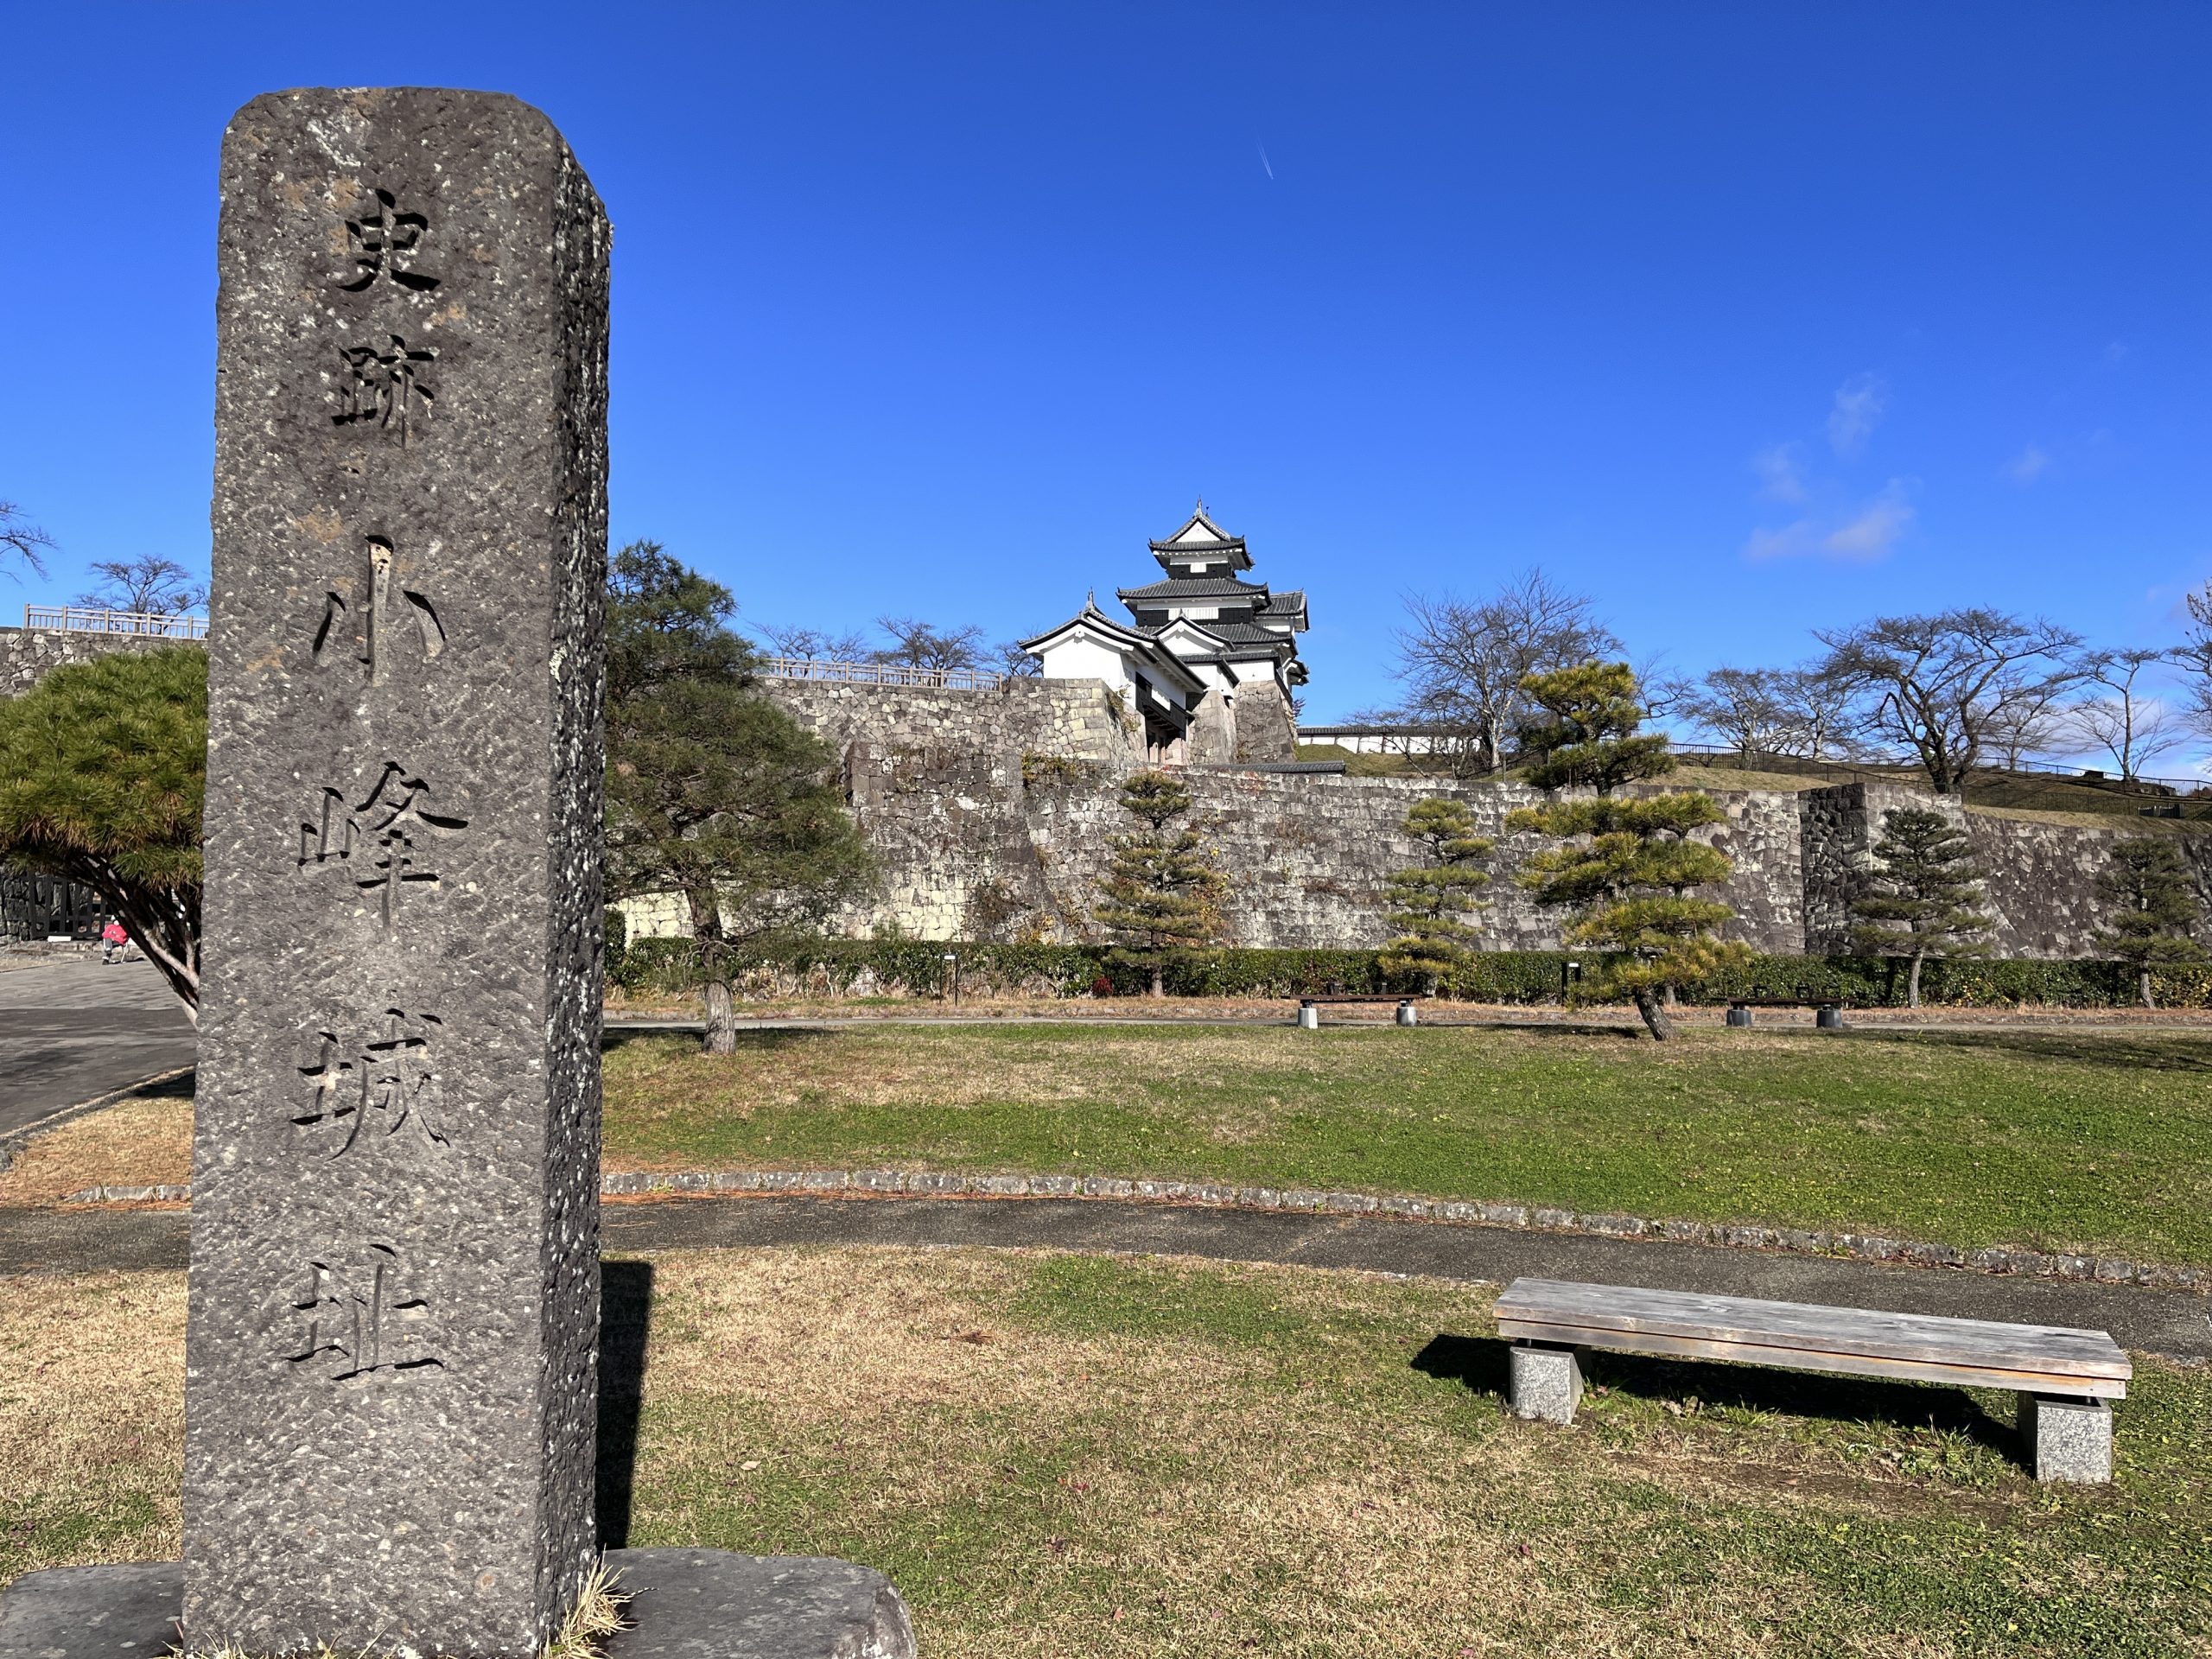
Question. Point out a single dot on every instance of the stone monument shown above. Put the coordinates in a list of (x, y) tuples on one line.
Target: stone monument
[(391, 1364), (395, 1239)]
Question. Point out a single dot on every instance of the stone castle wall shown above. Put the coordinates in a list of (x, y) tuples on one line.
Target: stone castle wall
[(29, 655), (992, 819), (990, 811), (990, 814)]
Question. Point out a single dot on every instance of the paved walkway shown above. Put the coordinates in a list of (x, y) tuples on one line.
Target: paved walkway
[(1598, 1022), (73, 1030), (2172, 1323)]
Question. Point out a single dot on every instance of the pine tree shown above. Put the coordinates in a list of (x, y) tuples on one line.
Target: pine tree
[(713, 790), (2154, 906), (1632, 883), (1161, 899), (103, 771), (1428, 902), (1923, 899), (1586, 735)]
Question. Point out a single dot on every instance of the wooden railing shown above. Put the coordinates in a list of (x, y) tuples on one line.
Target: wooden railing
[(79, 619), (945, 679)]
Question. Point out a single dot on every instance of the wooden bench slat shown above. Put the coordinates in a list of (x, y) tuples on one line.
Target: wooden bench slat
[(1622, 1311), (1807, 1360)]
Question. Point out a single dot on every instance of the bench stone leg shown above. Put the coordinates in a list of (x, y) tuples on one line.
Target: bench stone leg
[(1547, 1382), (2071, 1440), (1739, 1017), (1406, 1015), (1309, 1018)]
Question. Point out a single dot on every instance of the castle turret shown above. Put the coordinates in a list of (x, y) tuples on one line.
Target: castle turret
[(1232, 646)]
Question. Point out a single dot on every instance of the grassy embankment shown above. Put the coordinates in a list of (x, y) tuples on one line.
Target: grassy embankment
[(1067, 1456), (2096, 1141)]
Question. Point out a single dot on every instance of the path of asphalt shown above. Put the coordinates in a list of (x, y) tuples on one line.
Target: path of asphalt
[(623, 1026), (2172, 1323), (75, 1030)]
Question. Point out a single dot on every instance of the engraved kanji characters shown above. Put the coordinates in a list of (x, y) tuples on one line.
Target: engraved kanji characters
[(383, 242), (374, 637), (383, 385), (380, 831), (392, 1077), (358, 1318)]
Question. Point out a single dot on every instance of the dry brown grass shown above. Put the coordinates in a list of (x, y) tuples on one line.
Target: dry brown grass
[(1057, 1457), (1287, 1512), (92, 1418), (143, 1141)]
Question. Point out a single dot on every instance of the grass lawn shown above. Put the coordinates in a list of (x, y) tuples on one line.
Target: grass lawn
[(1063, 1455), (2096, 1141)]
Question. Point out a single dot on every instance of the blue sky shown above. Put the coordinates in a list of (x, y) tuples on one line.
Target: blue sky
[(1746, 319)]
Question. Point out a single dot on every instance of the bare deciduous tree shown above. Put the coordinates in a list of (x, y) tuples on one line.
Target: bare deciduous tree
[(812, 644), (1951, 685), (23, 540), (2121, 716), (2194, 658), (1464, 663), (1746, 707), (1821, 712), (918, 644), (146, 586)]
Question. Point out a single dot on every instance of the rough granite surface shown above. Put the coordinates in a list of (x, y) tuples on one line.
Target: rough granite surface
[(2069, 1439), (391, 1367), (1545, 1384)]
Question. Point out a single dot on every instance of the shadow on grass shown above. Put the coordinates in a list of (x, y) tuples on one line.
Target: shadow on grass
[(2133, 1051), (178, 1087), (1479, 1364), (625, 1300), (1523, 1028), (748, 1042)]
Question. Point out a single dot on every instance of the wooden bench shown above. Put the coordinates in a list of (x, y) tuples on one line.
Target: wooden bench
[(1828, 1014), (2066, 1378), (1309, 1008)]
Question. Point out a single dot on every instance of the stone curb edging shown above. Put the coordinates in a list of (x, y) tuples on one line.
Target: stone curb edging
[(161, 1194), (1864, 1247), (1859, 1247)]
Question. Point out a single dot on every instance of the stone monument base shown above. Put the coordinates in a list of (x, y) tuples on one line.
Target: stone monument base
[(700, 1604)]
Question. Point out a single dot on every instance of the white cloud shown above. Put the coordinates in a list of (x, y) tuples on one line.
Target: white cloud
[(1780, 468), (1857, 410), (1788, 543), (1870, 533), (1875, 530), (2029, 464)]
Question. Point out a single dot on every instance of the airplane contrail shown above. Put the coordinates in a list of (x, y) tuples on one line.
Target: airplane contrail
[(1263, 161)]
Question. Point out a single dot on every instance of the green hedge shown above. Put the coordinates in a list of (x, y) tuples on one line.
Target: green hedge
[(917, 968)]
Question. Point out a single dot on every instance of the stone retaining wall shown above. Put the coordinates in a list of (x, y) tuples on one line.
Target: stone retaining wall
[(29, 655)]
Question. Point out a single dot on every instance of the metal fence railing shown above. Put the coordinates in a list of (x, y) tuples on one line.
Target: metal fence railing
[(942, 679), (1875, 768), (82, 619)]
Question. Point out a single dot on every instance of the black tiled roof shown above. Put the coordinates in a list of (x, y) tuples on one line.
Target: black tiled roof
[(1197, 587), (1239, 633)]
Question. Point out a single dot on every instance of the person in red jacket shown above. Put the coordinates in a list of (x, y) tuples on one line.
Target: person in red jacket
[(114, 942)]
